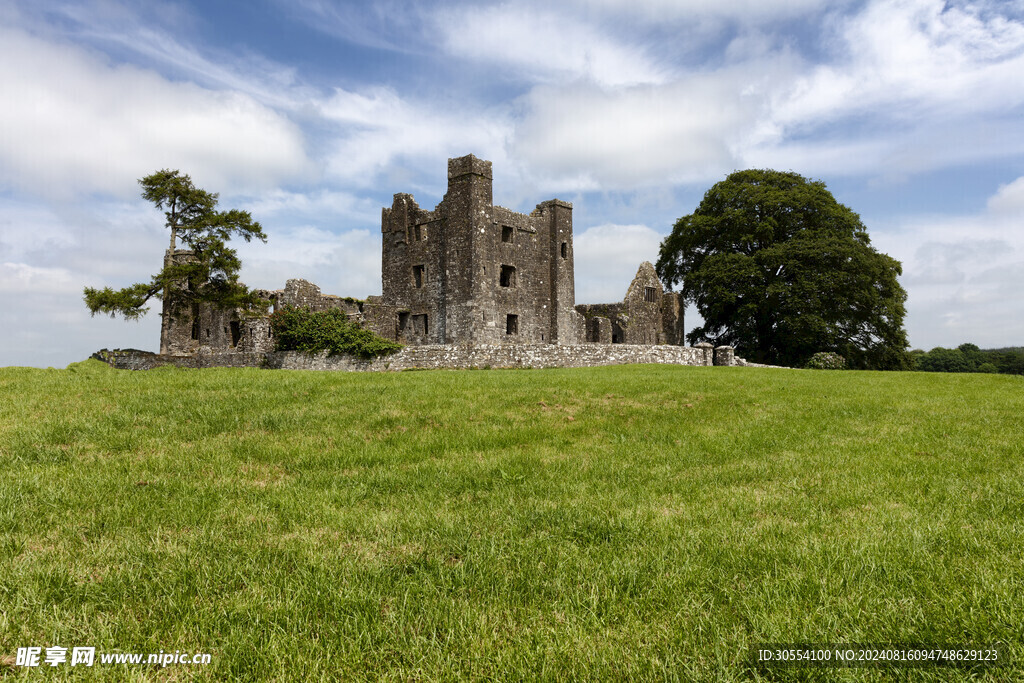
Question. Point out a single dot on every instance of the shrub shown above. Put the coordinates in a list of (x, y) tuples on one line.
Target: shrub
[(826, 360), (300, 329), (944, 360)]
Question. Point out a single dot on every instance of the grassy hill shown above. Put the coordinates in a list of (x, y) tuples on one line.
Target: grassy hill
[(631, 522)]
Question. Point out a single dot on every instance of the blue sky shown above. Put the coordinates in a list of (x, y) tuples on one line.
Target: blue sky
[(312, 114)]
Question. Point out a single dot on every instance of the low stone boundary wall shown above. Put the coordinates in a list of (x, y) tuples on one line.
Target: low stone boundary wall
[(133, 359), (433, 357), (495, 356)]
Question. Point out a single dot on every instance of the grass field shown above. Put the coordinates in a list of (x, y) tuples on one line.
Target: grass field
[(623, 523)]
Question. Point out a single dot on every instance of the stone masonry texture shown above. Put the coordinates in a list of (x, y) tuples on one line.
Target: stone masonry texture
[(466, 284)]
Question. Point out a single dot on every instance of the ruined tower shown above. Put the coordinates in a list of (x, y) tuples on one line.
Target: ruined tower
[(472, 272)]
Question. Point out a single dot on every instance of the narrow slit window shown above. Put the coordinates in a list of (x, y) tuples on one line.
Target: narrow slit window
[(417, 275), (565, 250)]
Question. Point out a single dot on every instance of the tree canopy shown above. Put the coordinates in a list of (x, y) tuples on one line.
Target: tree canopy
[(780, 270), (206, 270), (969, 358)]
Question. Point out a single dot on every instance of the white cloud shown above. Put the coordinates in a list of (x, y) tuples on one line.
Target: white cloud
[(343, 263), (320, 204), (745, 10), (44, 321), (690, 130), (73, 123), (19, 278), (913, 57), (383, 25), (377, 126), (50, 254), (963, 274), (606, 258), (1009, 201), (891, 152), (545, 45)]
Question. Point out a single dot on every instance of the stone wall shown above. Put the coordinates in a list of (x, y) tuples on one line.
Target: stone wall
[(458, 357), (430, 357), (304, 294), (647, 314), (470, 272), (133, 359)]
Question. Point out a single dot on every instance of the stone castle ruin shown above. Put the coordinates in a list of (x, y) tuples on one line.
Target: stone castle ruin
[(468, 275)]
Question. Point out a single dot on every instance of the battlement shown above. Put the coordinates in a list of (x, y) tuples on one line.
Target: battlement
[(469, 165), (551, 204)]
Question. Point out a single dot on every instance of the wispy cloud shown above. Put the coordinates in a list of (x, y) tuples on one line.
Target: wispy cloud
[(393, 25), (903, 58), (376, 127), (749, 11)]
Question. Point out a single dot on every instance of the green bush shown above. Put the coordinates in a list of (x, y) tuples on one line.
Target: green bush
[(826, 360), (300, 329)]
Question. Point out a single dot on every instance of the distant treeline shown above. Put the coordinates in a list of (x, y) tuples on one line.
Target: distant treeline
[(969, 358)]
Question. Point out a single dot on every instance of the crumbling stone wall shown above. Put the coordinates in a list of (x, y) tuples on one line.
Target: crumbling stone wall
[(467, 272), (304, 294), (423, 357), (473, 272), (647, 314), (207, 329)]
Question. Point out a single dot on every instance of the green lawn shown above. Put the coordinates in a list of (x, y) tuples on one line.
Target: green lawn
[(631, 522)]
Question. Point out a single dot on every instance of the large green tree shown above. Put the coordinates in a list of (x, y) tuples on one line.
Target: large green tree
[(204, 271), (780, 270)]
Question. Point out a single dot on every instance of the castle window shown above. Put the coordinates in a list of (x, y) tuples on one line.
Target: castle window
[(403, 322), (565, 250), (506, 233), (195, 329), (236, 332), (419, 325), (421, 233), (417, 275), (650, 294), (508, 276), (511, 324)]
